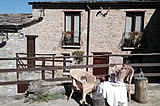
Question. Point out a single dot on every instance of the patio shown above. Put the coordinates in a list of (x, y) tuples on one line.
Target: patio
[(153, 99)]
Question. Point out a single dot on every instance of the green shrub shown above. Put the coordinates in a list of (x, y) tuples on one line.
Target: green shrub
[(48, 97), (78, 59)]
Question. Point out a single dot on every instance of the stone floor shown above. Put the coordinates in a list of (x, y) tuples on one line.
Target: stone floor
[(153, 100), (153, 96)]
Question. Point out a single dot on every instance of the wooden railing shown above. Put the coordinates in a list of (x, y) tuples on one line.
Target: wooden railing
[(25, 62), (23, 67)]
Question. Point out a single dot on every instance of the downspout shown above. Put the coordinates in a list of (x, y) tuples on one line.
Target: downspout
[(88, 32)]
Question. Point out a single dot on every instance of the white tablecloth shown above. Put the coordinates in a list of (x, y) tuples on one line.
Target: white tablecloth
[(115, 93)]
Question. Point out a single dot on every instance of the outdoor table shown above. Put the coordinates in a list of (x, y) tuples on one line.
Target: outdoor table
[(114, 93)]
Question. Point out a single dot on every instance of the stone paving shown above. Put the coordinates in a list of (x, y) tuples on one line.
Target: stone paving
[(153, 100), (153, 96)]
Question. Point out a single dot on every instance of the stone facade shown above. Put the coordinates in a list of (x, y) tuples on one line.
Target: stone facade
[(105, 32), (105, 35)]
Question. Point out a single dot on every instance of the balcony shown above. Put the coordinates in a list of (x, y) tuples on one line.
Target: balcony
[(131, 40), (70, 40)]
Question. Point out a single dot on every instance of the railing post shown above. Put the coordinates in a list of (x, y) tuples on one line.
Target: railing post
[(53, 66), (43, 71), (17, 66)]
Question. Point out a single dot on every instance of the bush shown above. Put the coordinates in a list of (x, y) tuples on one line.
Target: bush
[(78, 59), (48, 97)]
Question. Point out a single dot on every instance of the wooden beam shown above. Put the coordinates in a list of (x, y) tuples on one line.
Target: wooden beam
[(27, 81), (148, 74), (122, 55), (79, 66)]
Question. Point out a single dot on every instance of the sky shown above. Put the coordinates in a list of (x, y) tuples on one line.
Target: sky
[(19, 6)]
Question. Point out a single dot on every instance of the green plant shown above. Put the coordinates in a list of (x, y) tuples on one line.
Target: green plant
[(133, 40), (78, 59), (135, 37), (47, 97), (67, 39)]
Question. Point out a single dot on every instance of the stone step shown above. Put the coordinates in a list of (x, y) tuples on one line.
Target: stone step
[(66, 74)]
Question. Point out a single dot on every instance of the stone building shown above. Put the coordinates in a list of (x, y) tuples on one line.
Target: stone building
[(90, 26), (94, 27)]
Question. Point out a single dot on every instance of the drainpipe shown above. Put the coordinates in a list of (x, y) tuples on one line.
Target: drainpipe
[(88, 30)]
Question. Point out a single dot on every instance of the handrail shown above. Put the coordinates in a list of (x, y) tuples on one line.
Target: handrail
[(80, 66), (122, 55), (36, 54), (55, 58)]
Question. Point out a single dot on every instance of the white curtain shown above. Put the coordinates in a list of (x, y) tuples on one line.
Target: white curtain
[(68, 23), (128, 26), (138, 23), (76, 29)]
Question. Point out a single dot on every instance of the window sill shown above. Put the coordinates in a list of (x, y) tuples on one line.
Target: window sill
[(128, 48), (131, 48), (71, 46)]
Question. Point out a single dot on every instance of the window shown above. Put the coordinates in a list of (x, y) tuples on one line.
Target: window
[(134, 21), (134, 29), (71, 34)]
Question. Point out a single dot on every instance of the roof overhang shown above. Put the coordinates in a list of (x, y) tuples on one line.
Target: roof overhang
[(96, 4), (13, 28)]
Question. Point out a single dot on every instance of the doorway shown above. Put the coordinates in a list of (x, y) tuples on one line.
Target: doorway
[(101, 60), (31, 49), (31, 63)]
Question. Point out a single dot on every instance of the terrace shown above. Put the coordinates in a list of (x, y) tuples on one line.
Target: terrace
[(45, 65)]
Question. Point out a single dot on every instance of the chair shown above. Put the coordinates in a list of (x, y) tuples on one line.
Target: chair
[(82, 81), (125, 74)]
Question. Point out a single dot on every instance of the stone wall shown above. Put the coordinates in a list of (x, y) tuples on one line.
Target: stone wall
[(51, 29), (15, 44), (105, 32), (105, 35)]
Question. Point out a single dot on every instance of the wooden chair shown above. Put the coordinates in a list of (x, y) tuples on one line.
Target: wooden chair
[(125, 74), (82, 81)]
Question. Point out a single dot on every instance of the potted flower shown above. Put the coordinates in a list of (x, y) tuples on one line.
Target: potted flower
[(135, 37), (67, 39), (78, 59)]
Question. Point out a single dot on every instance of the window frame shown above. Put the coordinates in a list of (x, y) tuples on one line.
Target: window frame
[(72, 14), (134, 14), (133, 32)]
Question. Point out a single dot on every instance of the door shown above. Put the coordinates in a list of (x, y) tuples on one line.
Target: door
[(31, 63), (31, 49), (101, 60)]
